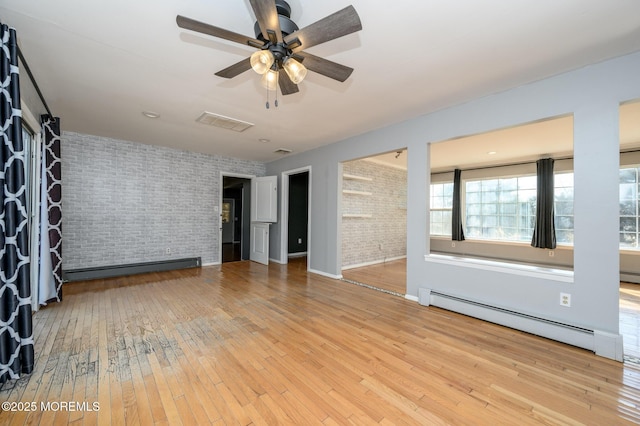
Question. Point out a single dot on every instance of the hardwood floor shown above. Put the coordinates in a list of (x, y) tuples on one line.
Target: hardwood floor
[(247, 344), (630, 319), (390, 276)]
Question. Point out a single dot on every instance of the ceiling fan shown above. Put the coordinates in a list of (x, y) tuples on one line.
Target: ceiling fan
[(281, 43)]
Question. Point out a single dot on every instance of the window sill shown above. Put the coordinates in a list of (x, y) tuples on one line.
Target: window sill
[(554, 274)]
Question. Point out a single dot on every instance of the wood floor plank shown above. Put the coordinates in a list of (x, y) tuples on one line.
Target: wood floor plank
[(244, 343)]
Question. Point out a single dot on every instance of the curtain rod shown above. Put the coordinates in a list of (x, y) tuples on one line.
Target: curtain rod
[(522, 163), (33, 80)]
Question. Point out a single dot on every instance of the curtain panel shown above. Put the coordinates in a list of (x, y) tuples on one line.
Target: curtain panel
[(50, 213), (16, 335), (544, 231), (457, 231)]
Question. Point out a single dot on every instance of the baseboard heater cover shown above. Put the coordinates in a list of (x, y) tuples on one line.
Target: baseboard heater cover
[(112, 271), (566, 333)]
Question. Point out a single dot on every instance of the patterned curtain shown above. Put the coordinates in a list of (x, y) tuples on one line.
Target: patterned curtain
[(16, 335), (50, 286)]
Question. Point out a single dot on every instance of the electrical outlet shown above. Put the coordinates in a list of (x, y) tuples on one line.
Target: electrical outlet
[(565, 300), (299, 240), (551, 253), (453, 244), (168, 250)]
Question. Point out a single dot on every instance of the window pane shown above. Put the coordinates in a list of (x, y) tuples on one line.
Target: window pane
[(628, 176), (628, 224), (441, 201), (628, 191), (629, 207)]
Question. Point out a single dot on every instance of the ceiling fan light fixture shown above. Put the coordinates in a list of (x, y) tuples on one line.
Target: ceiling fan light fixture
[(295, 70), (261, 61), (270, 80)]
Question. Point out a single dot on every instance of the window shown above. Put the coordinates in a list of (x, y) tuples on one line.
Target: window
[(563, 207), (501, 209), (504, 208), (629, 207), (441, 204)]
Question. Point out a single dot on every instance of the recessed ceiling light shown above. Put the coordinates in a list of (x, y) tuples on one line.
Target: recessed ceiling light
[(150, 114), (264, 140), (492, 152)]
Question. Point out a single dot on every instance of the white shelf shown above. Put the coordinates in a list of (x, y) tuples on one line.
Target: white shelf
[(357, 215), (354, 177), (353, 192)]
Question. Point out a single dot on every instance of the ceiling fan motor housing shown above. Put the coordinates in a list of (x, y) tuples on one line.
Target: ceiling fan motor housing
[(287, 26)]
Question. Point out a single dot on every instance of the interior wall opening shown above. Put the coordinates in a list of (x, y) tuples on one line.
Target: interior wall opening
[(497, 191), (235, 218), (374, 221), (630, 229), (298, 223)]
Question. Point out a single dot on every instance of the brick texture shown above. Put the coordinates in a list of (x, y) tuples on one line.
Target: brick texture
[(126, 202), (384, 235)]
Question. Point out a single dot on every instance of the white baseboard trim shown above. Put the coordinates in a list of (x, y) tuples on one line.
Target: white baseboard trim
[(299, 254), (412, 298), (278, 261), (630, 278), (212, 264), (373, 262), (324, 274)]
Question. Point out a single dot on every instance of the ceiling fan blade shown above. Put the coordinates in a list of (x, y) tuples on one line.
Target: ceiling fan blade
[(286, 85), (235, 69), (341, 23), (324, 66), (201, 27), (267, 17)]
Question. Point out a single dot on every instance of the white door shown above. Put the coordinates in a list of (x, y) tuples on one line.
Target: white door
[(264, 199), (260, 242), (264, 210)]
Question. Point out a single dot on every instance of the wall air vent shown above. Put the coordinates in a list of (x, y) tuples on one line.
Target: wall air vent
[(283, 151), (218, 120)]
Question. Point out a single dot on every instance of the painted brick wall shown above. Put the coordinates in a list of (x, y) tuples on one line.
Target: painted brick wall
[(125, 202), (384, 235)]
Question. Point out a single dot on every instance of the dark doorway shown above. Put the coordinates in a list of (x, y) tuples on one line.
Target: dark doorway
[(236, 195), (298, 214)]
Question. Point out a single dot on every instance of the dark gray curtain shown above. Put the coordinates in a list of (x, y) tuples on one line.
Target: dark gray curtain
[(457, 232), (16, 335), (544, 232), (52, 197)]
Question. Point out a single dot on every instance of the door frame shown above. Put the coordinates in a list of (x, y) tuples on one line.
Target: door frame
[(284, 215), (218, 209)]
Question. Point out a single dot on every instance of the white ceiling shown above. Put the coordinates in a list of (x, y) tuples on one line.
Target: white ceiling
[(101, 63)]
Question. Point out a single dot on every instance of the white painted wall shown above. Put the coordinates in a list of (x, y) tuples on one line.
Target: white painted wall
[(593, 95)]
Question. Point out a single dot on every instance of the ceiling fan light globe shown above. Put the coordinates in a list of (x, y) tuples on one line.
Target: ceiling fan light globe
[(270, 80), (261, 61), (295, 70)]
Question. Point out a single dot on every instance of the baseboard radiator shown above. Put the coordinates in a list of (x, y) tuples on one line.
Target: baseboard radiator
[(130, 269), (576, 336)]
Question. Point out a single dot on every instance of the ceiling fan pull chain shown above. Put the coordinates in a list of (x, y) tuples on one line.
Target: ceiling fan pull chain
[(267, 97)]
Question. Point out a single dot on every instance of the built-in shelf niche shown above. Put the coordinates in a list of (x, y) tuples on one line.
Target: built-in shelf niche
[(354, 192), (355, 177)]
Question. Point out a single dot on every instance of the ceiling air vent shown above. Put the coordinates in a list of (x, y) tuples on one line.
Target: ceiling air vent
[(282, 151), (218, 120)]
